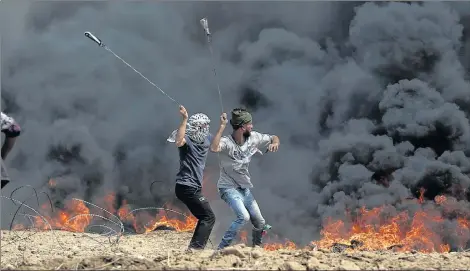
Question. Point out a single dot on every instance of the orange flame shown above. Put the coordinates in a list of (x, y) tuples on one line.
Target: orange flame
[(243, 237), (289, 245), (440, 199), (421, 195), (369, 229), (374, 233), (75, 216), (74, 219), (270, 245)]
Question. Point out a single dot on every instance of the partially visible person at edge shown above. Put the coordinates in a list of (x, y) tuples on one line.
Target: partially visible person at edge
[(234, 183), (193, 141), (12, 130)]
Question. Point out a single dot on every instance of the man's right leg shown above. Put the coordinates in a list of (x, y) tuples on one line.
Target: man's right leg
[(7, 146), (256, 218), (235, 200), (200, 208), (4, 174)]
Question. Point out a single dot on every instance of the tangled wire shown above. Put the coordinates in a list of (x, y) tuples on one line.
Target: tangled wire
[(112, 228)]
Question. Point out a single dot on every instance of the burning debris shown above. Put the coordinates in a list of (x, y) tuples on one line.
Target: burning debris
[(368, 230), (376, 229), (75, 216), (337, 247)]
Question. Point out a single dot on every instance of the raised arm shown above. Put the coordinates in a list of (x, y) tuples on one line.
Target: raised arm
[(180, 141), (215, 145)]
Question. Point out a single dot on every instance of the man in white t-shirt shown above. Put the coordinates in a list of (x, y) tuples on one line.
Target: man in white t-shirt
[(234, 182), (12, 130)]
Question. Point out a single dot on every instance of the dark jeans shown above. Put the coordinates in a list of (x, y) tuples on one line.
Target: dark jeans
[(5, 178), (200, 208)]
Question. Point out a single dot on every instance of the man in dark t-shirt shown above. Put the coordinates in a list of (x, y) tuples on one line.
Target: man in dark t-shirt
[(193, 141)]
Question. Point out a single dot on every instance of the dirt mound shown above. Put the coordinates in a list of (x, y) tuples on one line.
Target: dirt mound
[(166, 250)]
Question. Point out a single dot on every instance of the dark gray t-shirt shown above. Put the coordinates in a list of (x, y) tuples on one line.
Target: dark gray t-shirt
[(192, 162)]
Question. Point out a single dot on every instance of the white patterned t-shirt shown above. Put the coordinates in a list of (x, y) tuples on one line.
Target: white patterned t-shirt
[(235, 159), (6, 121)]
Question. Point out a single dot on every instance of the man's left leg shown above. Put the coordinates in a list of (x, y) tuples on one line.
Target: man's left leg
[(206, 220), (235, 199), (256, 218)]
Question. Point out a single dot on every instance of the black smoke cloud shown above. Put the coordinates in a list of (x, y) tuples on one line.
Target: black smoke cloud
[(358, 92)]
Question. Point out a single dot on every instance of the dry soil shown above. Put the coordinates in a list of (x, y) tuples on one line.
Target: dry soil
[(166, 250)]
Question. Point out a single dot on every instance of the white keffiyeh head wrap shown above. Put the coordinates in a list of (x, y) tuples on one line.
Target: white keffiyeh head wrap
[(197, 128)]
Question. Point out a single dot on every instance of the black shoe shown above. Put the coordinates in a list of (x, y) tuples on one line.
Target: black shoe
[(257, 237)]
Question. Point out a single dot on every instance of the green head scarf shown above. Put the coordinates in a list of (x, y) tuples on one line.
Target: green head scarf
[(240, 117)]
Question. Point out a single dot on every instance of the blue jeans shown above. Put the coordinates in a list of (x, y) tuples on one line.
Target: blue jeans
[(244, 205)]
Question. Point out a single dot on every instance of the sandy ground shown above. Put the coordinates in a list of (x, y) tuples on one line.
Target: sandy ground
[(166, 250)]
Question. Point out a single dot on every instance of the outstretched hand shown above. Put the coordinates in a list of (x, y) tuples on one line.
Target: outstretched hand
[(273, 147)]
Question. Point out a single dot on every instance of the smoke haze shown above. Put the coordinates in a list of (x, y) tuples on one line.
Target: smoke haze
[(356, 91)]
